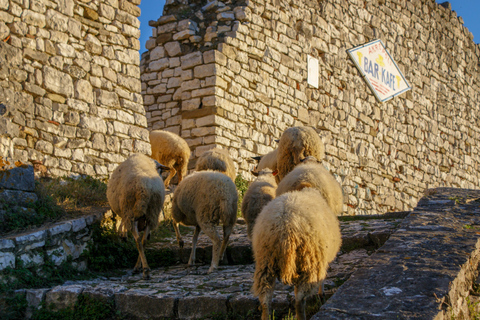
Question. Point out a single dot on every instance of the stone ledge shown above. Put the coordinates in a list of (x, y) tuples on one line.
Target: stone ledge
[(425, 269)]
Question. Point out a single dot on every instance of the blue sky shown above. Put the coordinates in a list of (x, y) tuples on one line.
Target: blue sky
[(469, 10)]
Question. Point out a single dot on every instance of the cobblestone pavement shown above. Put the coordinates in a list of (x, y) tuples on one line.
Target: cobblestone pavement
[(183, 292)]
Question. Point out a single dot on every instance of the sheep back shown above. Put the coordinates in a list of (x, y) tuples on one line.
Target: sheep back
[(135, 190), (217, 160), (268, 161), (259, 194), (205, 197), (314, 174), (170, 149), (295, 236), (295, 144)]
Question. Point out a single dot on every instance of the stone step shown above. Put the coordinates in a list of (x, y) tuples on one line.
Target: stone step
[(369, 232), (183, 292)]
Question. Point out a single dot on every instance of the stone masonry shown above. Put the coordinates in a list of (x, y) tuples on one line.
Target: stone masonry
[(70, 84), (233, 75)]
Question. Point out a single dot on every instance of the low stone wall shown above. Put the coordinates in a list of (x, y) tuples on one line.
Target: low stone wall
[(57, 243)]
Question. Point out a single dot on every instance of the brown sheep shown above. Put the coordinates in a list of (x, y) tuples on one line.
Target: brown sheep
[(295, 144), (205, 199), (259, 194), (295, 237), (136, 194), (172, 151), (217, 160), (312, 173)]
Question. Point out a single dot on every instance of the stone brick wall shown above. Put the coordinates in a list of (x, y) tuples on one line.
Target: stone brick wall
[(233, 74), (70, 81), (56, 243)]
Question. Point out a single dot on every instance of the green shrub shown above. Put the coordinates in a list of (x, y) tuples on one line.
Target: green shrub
[(242, 186)]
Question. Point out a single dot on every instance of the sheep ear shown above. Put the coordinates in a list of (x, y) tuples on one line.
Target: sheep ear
[(303, 185), (255, 173), (275, 172), (277, 140), (257, 158), (161, 167)]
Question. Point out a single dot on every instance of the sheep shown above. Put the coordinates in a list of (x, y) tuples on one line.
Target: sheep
[(297, 143), (172, 151), (294, 239), (312, 173), (259, 193), (217, 160), (267, 161), (205, 199), (136, 194)]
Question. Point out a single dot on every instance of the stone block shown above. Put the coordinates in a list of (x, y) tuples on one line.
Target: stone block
[(63, 297), (7, 259), (139, 305), (17, 176), (173, 48), (195, 307)]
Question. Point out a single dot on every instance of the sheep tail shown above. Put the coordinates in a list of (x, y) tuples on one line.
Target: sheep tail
[(287, 261)]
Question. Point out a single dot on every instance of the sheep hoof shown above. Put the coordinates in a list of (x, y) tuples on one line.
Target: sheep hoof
[(180, 244), (212, 268), (135, 270), (146, 274)]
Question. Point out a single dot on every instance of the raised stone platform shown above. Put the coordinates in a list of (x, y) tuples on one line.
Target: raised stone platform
[(424, 271)]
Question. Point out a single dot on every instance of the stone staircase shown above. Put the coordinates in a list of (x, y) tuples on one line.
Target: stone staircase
[(424, 269)]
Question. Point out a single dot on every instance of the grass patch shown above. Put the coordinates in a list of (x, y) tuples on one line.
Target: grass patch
[(242, 185), (71, 193), (47, 275), (57, 198), (107, 251), (86, 308)]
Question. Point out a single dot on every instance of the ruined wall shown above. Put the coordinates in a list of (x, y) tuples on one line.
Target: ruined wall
[(70, 82), (233, 74)]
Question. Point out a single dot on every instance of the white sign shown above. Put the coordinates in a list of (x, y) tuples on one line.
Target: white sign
[(379, 70), (312, 71)]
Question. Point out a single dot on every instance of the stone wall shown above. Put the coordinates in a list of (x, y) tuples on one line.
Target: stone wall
[(233, 74), (70, 82), (56, 243)]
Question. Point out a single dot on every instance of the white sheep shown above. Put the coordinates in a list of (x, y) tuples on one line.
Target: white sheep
[(311, 173), (295, 144), (267, 161), (205, 199), (136, 194), (259, 193), (217, 160), (172, 151), (295, 237)]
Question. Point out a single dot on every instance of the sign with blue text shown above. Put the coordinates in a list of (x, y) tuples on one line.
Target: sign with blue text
[(379, 70)]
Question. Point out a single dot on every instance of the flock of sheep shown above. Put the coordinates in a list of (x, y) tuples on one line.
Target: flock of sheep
[(291, 208)]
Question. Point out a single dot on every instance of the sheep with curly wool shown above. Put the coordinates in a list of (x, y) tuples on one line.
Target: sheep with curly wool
[(311, 173), (259, 193), (171, 150), (205, 199), (294, 239), (267, 161), (136, 194), (217, 160), (295, 144)]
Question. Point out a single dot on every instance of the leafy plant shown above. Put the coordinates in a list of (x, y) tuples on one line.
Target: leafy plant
[(242, 186)]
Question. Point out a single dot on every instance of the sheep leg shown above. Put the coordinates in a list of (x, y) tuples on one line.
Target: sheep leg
[(138, 265), (170, 176), (227, 230), (266, 296), (177, 234), (212, 233), (302, 291), (140, 242), (191, 261)]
